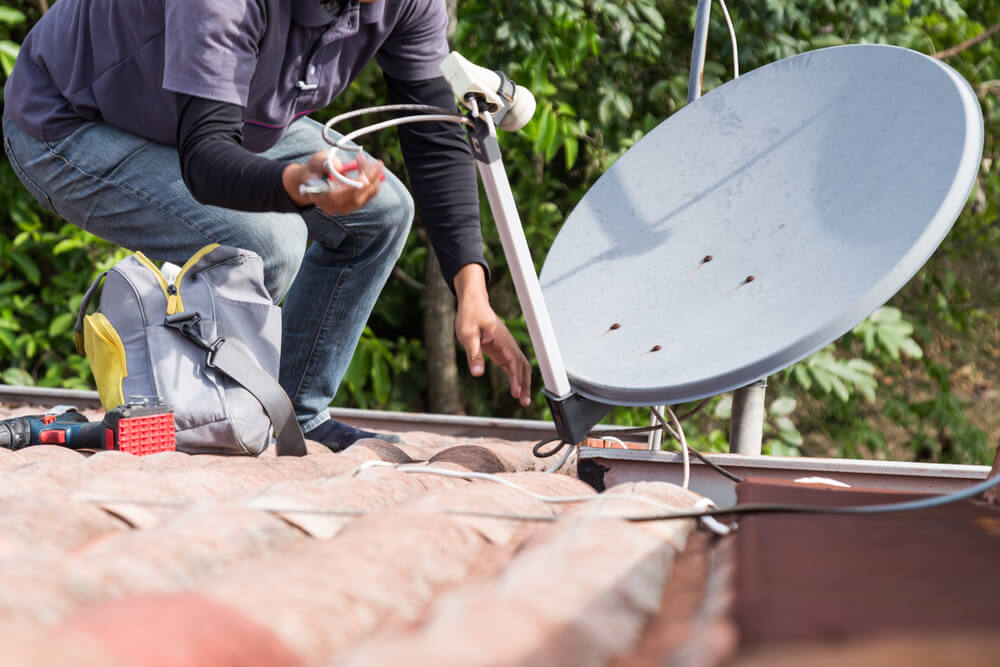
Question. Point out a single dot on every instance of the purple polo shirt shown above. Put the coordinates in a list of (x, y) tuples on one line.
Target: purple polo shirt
[(125, 62)]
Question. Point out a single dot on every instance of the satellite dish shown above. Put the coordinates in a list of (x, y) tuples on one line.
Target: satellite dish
[(760, 223)]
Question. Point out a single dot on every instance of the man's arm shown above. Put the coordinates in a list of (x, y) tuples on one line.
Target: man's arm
[(219, 171), (441, 170)]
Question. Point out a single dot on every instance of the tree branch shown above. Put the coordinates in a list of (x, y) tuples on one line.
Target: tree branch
[(969, 43), (406, 279), (43, 6)]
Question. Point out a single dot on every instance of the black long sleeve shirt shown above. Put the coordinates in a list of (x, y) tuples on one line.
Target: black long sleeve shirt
[(220, 171)]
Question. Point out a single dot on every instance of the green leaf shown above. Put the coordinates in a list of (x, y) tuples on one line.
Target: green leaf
[(8, 340), (791, 437), (783, 406), (18, 377), (8, 55), (27, 266), (11, 16), (570, 149), (801, 375), (357, 372), (724, 408), (10, 286), (380, 379), (546, 130), (61, 324), (66, 245)]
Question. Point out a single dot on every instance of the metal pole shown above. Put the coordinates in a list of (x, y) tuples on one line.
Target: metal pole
[(522, 269), (698, 48), (746, 424)]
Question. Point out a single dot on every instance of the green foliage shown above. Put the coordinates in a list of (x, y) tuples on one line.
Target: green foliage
[(378, 369), (10, 17), (45, 266)]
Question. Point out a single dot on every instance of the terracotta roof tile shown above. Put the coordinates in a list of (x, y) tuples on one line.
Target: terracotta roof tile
[(578, 592), (485, 497), (10, 459), (472, 457), (27, 644), (48, 453), (173, 559), (381, 565), (27, 526), (375, 489), (180, 630)]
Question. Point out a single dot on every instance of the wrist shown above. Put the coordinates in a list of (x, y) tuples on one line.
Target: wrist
[(291, 176), (470, 284)]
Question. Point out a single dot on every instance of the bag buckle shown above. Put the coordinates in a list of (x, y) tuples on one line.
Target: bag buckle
[(188, 324)]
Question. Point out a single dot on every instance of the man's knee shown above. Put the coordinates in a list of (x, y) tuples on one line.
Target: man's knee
[(396, 214), (282, 253)]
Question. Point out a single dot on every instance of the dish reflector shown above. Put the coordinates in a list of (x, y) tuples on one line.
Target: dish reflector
[(760, 223)]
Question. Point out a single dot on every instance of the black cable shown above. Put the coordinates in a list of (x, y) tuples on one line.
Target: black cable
[(695, 410), (714, 466), (544, 454), (747, 508), (638, 430), (770, 508)]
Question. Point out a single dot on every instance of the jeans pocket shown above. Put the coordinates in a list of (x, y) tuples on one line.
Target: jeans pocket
[(33, 188)]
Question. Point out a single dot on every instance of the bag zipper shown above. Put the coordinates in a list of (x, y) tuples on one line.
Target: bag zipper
[(172, 291)]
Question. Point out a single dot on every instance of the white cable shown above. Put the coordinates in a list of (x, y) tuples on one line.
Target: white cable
[(678, 435), (423, 469), (431, 113), (711, 522), (732, 39), (559, 464), (685, 454), (611, 438)]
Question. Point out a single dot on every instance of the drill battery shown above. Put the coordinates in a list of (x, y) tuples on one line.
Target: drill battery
[(140, 429), (136, 429)]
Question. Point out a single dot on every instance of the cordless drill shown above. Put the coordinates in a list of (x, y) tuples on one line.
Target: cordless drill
[(136, 429)]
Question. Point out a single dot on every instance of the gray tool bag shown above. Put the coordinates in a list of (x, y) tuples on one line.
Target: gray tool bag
[(204, 338)]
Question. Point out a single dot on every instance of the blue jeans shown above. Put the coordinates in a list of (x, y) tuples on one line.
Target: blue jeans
[(329, 269)]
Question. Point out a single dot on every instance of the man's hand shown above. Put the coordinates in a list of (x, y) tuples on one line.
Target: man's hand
[(481, 332), (341, 198)]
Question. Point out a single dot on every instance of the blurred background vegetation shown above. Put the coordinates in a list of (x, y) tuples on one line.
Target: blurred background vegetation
[(916, 381)]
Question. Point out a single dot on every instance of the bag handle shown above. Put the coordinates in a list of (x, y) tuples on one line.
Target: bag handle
[(84, 303), (243, 369)]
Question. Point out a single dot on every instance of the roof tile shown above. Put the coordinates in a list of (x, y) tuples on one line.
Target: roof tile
[(210, 550), (378, 488), (27, 644), (472, 457), (539, 610), (27, 526), (325, 595), (178, 630)]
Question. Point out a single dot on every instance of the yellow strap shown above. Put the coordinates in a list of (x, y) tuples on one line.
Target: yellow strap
[(159, 277), (177, 303)]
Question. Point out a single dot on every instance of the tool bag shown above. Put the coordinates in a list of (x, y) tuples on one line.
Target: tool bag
[(204, 338)]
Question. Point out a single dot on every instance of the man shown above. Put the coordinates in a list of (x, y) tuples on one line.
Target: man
[(165, 125)]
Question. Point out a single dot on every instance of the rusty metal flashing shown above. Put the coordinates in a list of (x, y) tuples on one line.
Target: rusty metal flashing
[(372, 420), (608, 467)]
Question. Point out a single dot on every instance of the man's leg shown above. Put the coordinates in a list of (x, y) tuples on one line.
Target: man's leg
[(342, 274), (129, 191)]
